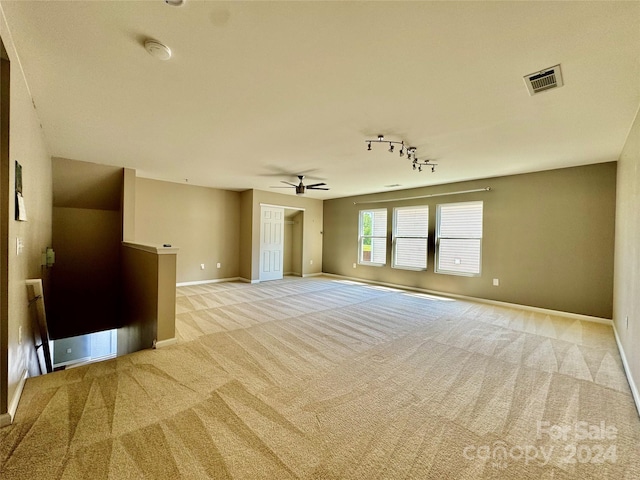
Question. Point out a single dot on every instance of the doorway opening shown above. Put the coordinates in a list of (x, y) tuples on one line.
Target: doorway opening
[(281, 241), (293, 223)]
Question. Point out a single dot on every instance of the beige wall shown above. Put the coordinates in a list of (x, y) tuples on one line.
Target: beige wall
[(627, 254), (287, 254), (129, 205), (312, 230), (204, 223), (27, 145), (246, 233), (297, 237), (149, 281), (85, 289), (548, 238), (85, 280)]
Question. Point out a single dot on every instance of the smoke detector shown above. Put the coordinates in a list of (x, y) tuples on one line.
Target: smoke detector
[(544, 80), (157, 49)]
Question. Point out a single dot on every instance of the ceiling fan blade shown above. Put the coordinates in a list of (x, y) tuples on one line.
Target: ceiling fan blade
[(279, 186), (316, 188), (289, 183), (313, 185)]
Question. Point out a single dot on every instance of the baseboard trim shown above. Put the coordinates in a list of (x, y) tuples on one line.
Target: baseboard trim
[(165, 343), (203, 282), (7, 418), (575, 316), (305, 275), (627, 371), (89, 361)]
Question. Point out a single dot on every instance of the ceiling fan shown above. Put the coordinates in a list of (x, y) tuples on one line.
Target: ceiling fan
[(301, 187)]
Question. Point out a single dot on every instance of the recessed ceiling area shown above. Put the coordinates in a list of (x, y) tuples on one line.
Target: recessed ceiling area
[(255, 90)]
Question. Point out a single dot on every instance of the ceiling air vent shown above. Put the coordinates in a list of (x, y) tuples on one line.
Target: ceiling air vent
[(544, 80)]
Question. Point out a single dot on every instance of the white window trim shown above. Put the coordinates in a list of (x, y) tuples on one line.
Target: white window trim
[(361, 236), (395, 238), (437, 246)]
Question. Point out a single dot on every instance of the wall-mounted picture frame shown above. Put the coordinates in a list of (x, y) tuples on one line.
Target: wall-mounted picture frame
[(21, 212)]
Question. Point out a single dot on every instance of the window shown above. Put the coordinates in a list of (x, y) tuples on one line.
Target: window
[(373, 237), (410, 230), (459, 238)]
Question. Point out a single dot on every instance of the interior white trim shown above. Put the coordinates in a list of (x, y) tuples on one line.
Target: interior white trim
[(627, 371), (214, 280), (305, 275), (89, 361), (166, 343), (286, 207), (5, 420), (13, 405), (576, 316)]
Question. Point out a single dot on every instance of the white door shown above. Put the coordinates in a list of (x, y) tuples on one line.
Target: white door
[(271, 243)]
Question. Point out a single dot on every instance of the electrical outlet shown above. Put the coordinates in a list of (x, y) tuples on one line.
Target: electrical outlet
[(202, 266), (354, 265), (218, 265), (68, 350), (496, 282), (310, 262), (19, 245)]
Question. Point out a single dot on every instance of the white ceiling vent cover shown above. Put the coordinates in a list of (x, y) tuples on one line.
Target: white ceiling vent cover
[(544, 80)]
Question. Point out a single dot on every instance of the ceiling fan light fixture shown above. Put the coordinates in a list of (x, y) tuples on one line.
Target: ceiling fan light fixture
[(174, 3), (301, 188)]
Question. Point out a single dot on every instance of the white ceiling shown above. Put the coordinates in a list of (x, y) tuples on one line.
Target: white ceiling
[(259, 90)]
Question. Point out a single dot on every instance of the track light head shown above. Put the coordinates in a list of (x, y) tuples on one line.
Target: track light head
[(416, 163)]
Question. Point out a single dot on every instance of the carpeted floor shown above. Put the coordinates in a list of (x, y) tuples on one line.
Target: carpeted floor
[(325, 379)]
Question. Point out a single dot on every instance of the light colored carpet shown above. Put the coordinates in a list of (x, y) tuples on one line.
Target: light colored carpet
[(325, 379)]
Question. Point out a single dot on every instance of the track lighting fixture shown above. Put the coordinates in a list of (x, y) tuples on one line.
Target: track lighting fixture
[(410, 152)]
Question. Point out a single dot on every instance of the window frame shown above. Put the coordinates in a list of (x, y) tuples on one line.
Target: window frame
[(395, 237), (362, 236), (438, 238)]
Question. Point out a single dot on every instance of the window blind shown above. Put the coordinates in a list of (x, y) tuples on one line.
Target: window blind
[(459, 238), (411, 227)]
